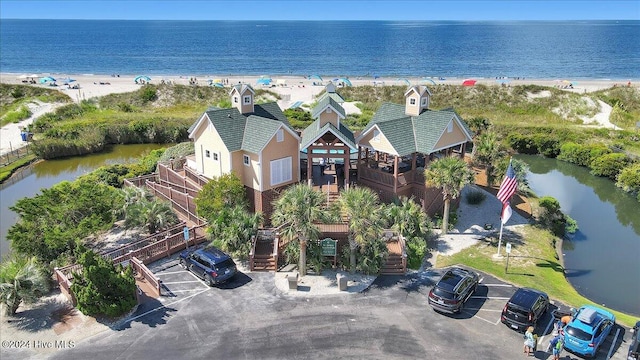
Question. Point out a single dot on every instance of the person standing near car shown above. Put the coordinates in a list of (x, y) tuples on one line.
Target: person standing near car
[(557, 348), (529, 341)]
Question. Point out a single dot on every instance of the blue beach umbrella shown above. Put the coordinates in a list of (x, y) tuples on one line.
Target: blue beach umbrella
[(141, 77), (345, 81), (264, 81), (406, 81), (315, 77), (47, 79)]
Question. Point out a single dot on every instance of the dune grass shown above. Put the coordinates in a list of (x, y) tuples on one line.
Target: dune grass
[(7, 170), (532, 263)]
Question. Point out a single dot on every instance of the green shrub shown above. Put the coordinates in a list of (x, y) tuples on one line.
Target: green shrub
[(475, 197), (103, 288), (371, 256), (609, 165), (548, 146), (629, 178), (416, 250), (523, 144), (148, 93), (16, 116)]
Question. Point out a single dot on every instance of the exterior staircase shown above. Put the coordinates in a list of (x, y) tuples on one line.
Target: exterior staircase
[(396, 263), (263, 255)]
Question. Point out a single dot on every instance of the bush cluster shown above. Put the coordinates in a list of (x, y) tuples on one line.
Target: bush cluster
[(547, 145)]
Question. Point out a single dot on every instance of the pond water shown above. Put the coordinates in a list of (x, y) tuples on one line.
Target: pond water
[(602, 259), (30, 180)]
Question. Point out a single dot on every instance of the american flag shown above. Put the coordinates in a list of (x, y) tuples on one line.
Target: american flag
[(509, 185)]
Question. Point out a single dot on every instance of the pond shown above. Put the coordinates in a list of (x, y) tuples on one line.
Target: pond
[(602, 258), (45, 174)]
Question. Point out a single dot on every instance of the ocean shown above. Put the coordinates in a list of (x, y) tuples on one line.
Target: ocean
[(488, 49)]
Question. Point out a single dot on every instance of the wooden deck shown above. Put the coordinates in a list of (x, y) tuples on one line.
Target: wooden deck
[(394, 248)]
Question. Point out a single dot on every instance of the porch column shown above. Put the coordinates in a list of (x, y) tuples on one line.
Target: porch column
[(464, 149), (413, 167), (395, 174), (309, 169), (346, 168), (359, 163)]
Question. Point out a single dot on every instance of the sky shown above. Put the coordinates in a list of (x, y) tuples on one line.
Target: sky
[(324, 10)]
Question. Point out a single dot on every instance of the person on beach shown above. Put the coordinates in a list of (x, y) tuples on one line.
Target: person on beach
[(529, 341)]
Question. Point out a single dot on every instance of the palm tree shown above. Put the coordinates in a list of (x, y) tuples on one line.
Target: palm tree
[(450, 174), (486, 152), (298, 209), (139, 210), (21, 280), (408, 219), (234, 228), (364, 215)]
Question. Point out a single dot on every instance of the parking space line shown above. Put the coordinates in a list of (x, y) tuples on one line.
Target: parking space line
[(615, 339), (481, 318), (541, 338), (490, 310), (490, 297), (504, 285), (172, 272), (178, 291), (180, 282), (163, 306)]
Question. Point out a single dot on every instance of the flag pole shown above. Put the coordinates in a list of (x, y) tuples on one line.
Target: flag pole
[(500, 237)]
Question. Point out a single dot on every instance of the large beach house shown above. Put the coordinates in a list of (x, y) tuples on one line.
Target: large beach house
[(254, 141)]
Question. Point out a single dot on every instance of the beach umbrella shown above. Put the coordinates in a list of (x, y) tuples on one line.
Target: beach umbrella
[(141, 77), (264, 81), (429, 81), (47, 79), (468, 82), (345, 81), (315, 77), (406, 81), (67, 80)]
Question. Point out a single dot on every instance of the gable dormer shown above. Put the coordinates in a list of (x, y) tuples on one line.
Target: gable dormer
[(330, 88), (242, 97), (328, 111), (416, 100)]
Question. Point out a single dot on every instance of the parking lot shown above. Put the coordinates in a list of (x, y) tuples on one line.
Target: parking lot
[(250, 318)]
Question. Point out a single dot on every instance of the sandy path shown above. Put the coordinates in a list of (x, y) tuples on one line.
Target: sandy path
[(10, 138)]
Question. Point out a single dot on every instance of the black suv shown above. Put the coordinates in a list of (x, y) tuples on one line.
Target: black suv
[(211, 264), (453, 290), (634, 347), (525, 308)]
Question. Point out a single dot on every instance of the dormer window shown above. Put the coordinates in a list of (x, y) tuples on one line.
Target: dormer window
[(412, 101), (247, 99)]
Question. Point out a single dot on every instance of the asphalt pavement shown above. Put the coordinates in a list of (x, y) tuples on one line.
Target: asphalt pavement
[(249, 318)]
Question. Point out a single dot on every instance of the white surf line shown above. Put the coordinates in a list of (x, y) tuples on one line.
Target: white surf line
[(163, 306), (490, 297)]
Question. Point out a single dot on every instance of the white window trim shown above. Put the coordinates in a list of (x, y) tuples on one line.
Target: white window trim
[(281, 171), (424, 101), (215, 156), (207, 153), (246, 100), (235, 99), (246, 160), (412, 101), (280, 135)]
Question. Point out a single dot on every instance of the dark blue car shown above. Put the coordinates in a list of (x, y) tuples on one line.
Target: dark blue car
[(213, 265)]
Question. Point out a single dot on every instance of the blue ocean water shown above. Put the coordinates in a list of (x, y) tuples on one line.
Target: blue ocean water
[(531, 49)]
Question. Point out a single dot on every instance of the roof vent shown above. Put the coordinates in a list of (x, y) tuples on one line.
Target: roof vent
[(229, 115)]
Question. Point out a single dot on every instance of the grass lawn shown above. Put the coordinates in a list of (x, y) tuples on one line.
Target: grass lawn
[(532, 263), (8, 170)]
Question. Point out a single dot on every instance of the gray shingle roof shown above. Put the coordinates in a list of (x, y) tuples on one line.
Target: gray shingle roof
[(409, 134), (248, 132), (315, 112), (335, 96), (312, 132)]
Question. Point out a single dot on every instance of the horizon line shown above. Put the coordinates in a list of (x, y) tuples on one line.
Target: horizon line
[(329, 20)]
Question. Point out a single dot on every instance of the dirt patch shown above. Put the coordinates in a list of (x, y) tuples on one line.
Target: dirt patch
[(114, 238)]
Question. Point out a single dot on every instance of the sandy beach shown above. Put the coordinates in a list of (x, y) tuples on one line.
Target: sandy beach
[(292, 89)]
